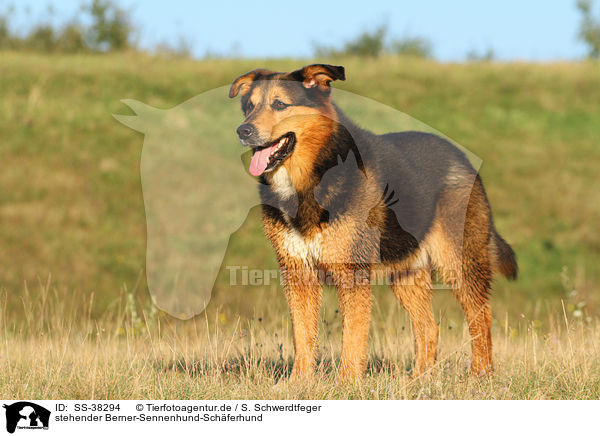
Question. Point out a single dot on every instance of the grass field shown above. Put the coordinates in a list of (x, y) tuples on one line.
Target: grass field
[(130, 353), (77, 321)]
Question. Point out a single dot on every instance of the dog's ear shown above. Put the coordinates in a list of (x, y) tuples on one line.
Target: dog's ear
[(320, 76), (245, 80)]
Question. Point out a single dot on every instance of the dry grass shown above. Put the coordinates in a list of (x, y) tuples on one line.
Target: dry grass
[(134, 353)]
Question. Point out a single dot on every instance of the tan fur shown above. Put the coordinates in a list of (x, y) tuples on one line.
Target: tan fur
[(414, 292), (315, 130)]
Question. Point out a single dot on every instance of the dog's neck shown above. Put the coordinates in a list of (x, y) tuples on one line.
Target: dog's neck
[(296, 198), (338, 143)]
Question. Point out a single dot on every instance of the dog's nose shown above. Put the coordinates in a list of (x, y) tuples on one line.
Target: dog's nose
[(245, 131)]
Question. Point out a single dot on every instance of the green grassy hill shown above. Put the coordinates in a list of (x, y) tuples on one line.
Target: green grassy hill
[(70, 192)]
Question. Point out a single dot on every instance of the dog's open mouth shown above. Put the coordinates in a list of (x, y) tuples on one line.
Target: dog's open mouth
[(270, 156)]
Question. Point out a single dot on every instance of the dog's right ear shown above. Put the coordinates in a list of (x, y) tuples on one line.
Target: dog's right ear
[(245, 80)]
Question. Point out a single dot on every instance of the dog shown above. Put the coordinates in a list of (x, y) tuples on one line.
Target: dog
[(408, 203)]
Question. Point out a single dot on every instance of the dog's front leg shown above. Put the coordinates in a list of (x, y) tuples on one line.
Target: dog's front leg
[(355, 309), (303, 292)]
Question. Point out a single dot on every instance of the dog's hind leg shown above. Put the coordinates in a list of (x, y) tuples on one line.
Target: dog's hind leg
[(473, 297), (472, 281), (413, 289)]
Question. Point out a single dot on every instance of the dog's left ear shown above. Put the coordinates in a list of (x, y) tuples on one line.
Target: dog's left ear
[(320, 76)]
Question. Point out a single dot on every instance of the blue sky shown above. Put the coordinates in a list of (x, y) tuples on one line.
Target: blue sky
[(515, 29)]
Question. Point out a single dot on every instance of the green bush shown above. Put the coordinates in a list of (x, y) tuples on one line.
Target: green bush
[(589, 28), (374, 43), (110, 29)]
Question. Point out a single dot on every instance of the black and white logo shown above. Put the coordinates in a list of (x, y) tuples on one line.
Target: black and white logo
[(26, 415)]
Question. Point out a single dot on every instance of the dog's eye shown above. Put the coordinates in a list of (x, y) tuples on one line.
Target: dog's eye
[(278, 105), (249, 107)]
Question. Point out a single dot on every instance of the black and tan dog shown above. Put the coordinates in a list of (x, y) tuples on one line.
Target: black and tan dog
[(411, 203)]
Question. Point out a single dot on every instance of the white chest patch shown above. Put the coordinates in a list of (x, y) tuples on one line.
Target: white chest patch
[(309, 250), (421, 261), (282, 184)]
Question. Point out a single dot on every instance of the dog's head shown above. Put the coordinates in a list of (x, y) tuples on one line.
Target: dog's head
[(288, 115)]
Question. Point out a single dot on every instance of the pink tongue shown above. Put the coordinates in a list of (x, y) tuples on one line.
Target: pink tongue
[(259, 162)]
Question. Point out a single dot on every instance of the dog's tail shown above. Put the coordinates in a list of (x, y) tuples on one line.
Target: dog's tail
[(502, 256)]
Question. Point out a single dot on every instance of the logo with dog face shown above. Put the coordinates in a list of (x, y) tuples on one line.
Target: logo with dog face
[(26, 415)]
